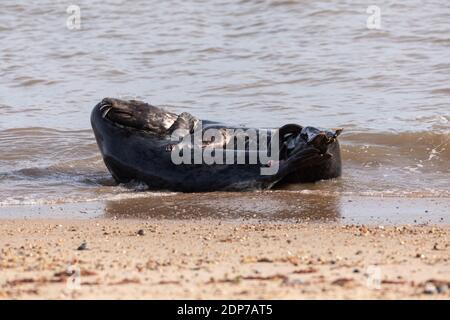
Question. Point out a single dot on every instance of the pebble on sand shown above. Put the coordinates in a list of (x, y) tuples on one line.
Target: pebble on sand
[(82, 246)]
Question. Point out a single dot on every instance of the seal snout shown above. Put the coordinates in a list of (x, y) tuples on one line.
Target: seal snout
[(320, 139), (120, 112), (116, 109), (105, 107), (134, 115)]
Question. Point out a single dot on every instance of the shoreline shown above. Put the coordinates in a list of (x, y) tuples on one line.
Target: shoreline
[(214, 259), (268, 206)]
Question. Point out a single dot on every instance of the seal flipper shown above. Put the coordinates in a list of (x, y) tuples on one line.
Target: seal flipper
[(185, 121), (288, 129)]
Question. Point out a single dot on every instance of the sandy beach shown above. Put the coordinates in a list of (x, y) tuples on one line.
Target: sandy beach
[(213, 259)]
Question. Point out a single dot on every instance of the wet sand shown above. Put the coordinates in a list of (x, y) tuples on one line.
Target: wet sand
[(215, 259), (271, 205)]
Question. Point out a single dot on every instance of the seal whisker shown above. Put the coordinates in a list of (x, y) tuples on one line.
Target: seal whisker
[(106, 112), (103, 105)]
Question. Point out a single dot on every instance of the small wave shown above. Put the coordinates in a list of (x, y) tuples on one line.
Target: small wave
[(445, 42), (39, 131), (68, 55), (280, 3), (4, 28), (114, 73), (245, 34), (158, 52), (395, 193), (20, 146), (126, 193), (411, 144), (373, 34), (5, 108), (441, 91), (210, 50), (60, 174), (329, 12), (31, 200), (28, 82)]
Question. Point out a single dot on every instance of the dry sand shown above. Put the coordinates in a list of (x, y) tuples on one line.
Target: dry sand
[(213, 259)]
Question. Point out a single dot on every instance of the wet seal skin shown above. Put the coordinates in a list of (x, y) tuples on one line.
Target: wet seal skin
[(137, 143)]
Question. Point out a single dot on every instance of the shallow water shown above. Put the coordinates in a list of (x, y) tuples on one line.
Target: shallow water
[(258, 63)]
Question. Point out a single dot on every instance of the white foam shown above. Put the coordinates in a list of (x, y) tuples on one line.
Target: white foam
[(14, 201)]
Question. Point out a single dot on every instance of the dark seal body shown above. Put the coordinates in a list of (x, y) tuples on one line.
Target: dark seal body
[(134, 139)]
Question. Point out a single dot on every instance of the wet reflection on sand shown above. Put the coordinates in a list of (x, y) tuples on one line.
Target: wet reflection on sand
[(260, 205), (282, 206)]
